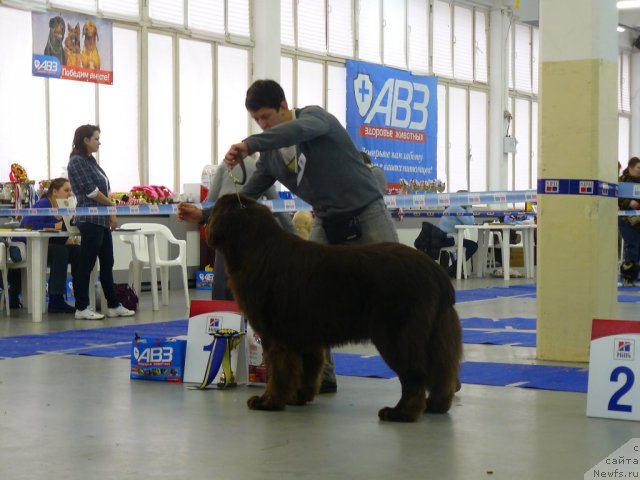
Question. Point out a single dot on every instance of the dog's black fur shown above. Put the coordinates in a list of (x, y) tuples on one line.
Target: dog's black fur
[(302, 297), (629, 273), (54, 45)]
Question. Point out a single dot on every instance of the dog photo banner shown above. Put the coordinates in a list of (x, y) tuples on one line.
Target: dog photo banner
[(393, 116), (72, 47)]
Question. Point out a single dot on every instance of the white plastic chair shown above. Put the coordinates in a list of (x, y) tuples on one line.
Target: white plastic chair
[(453, 251), (140, 257)]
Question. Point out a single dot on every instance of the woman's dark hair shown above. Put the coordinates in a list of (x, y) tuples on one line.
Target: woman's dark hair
[(633, 161), (82, 132), (56, 184), (264, 93)]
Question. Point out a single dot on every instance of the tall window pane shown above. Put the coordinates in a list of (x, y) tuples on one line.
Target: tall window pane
[(125, 8), (623, 140), (523, 58), (233, 81), (311, 25), (88, 6), (120, 116), (196, 104), (442, 56), (394, 33), (310, 83), (161, 113), (478, 141), (418, 33), (238, 18), (522, 116), (207, 15), (534, 144), (463, 44), (337, 92), (286, 79), (23, 96), (535, 52), (625, 84), (480, 47), (287, 35), (443, 147), (62, 126), (369, 30), (341, 27), (458, 139), (168, 11)]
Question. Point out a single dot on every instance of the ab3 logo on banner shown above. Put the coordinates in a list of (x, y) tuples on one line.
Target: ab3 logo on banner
[(392, 115)]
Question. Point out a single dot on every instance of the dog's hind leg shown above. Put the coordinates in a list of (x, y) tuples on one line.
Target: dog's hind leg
[(312, 364), (284, 371), (412, 402)]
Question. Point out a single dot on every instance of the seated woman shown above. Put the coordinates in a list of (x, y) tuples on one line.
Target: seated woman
[(629, 226), (59, 253)]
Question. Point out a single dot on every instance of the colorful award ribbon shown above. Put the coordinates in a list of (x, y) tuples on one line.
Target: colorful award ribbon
[(224, 341)]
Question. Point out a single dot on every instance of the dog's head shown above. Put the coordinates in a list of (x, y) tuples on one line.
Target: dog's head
[(56, 29), (236, 219), (72, 42), (89, 32)]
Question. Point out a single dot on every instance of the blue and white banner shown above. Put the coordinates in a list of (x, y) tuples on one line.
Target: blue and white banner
[(393, 116)]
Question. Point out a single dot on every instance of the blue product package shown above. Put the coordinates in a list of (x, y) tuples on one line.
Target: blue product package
[(160, 359), (204, 280)]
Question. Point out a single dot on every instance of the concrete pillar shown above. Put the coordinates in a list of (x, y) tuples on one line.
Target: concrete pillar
[(578, 121), (266, 29), (266, 51), (498, 97)]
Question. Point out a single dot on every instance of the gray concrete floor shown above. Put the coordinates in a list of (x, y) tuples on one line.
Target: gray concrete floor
[(76, 417)]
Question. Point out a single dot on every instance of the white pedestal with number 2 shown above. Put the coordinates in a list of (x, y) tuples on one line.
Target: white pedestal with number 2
[(614, 370)]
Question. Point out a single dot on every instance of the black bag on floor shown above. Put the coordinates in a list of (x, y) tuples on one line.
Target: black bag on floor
[(430, 240), (126, 295)]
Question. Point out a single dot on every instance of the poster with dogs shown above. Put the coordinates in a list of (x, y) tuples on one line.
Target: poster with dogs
[(72, 46)]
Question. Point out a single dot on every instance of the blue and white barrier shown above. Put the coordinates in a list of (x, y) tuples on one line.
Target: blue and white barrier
[(414, 202)]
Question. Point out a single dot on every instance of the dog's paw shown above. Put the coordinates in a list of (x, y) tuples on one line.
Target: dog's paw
[(389, 414), (264, 403)]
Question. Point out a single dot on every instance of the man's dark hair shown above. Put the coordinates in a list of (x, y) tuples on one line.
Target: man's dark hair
[(264, 93)]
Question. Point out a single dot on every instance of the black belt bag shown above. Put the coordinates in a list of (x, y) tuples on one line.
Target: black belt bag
[(343, 227)]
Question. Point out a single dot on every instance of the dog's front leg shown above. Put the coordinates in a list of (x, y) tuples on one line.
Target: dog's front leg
[(284, 370)]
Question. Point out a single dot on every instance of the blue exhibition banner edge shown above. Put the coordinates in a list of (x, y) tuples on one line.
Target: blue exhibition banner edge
[(570, 186)]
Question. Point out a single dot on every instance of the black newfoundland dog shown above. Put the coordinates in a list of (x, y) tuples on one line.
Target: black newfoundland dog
[(302, 297)]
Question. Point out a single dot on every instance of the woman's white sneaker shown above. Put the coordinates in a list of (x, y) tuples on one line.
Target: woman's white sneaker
[(120, 311), (88, 314)]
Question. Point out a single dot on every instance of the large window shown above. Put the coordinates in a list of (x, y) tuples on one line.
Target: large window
[(23, 137), (394, 28), (458, 152), (337, 92), (196, 107), (120, 116), (418, 35), (233, 81), (160, 111), (369, 30)]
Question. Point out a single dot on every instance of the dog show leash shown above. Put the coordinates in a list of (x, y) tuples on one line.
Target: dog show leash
[(235, 180)]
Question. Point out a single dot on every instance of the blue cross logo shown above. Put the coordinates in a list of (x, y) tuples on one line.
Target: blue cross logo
[(363, 89)]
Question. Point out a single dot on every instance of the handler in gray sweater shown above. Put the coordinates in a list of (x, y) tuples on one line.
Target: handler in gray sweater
[(310, 152)]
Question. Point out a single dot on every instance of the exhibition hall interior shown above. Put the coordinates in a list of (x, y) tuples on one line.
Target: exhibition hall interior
[(478, 136)]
